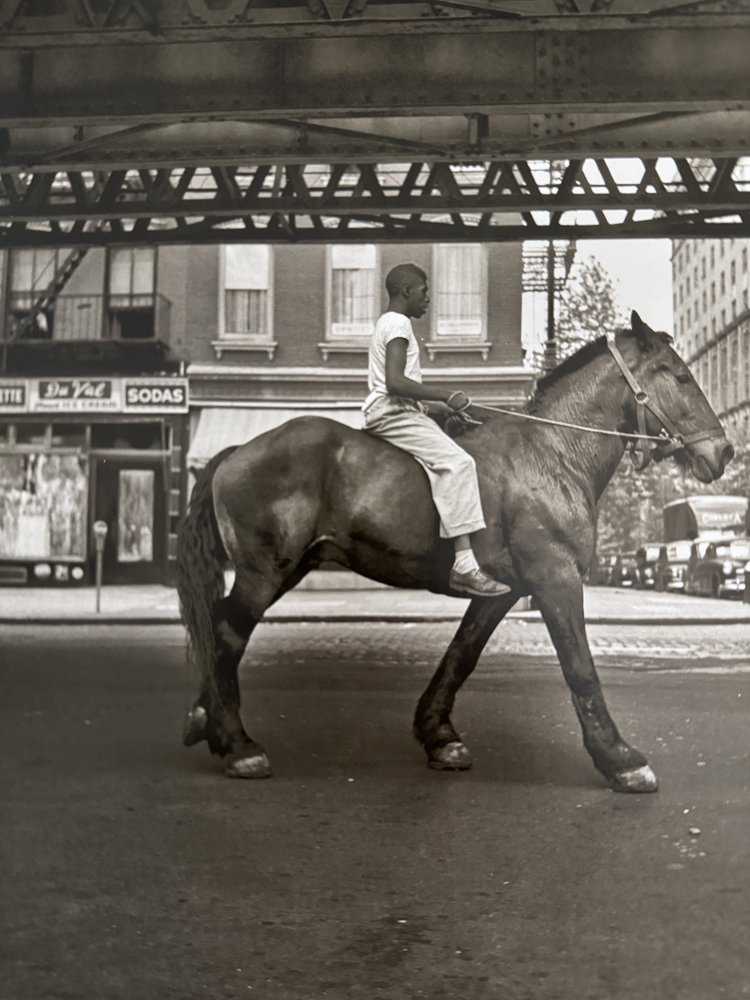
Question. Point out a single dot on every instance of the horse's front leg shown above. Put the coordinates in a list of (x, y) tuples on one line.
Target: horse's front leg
[(561, 605), (432, 721)]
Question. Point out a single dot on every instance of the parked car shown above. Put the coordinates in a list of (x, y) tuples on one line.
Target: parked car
[(721, 571), (697, 552), (608, 570), (646, 558), (628, 570), (670, 571)]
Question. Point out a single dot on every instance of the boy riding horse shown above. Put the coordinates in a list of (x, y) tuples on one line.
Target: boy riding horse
[(393, 410)]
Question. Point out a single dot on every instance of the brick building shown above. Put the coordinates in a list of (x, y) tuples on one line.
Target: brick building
[(125, 369)]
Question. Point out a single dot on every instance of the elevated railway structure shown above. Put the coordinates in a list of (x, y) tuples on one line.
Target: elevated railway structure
[(198, 121)]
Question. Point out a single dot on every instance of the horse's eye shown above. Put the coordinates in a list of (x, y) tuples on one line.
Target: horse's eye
[(684, 377)]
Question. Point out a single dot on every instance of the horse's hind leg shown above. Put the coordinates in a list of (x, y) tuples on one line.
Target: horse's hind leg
[(627, 770), (432, 721), (217, 719)]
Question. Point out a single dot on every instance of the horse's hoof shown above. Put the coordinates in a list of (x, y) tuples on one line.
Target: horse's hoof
[(257, 766), (194, 729), (638, 779), (452, 757)]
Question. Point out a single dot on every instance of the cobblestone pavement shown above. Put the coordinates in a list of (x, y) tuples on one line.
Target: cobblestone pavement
[(637, 646)]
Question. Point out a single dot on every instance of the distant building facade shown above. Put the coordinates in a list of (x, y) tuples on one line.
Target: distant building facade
[(711, 289), (124, 370)]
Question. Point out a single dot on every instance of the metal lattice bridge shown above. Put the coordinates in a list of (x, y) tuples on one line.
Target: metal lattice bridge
[(179, 121)]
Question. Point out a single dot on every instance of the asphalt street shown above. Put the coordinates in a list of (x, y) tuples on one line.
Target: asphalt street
[(133, 868)]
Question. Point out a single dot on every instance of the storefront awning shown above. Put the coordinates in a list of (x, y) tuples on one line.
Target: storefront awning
[(219, 427)]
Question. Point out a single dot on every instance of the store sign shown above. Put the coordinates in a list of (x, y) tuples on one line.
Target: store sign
[(94, 395), (77, 394), (156, 395), (12, 396)]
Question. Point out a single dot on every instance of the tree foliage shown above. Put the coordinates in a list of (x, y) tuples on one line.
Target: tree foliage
[(630, 510)]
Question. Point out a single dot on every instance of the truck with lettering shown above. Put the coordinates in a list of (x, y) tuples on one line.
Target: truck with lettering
[(705, 517)]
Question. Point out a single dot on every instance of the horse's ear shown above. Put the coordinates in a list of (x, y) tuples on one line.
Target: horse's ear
[(642, 332)]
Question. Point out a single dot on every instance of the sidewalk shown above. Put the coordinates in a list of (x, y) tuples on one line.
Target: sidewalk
[(322, 597)]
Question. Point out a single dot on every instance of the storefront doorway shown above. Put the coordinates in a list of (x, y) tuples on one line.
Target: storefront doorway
[(129, 497)]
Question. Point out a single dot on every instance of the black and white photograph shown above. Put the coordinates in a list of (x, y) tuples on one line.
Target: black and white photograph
[(375, 499)]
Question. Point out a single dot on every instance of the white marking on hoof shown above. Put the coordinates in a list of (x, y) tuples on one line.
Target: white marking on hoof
[(258, 766), (195, 726), (452, 757), (639, 779)]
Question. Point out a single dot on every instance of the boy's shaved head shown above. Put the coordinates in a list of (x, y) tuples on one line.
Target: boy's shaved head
[(402, 275)]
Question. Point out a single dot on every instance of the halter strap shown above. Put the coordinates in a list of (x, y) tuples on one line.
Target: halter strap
[(672, 439)]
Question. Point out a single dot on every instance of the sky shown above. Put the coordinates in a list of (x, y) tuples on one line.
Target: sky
[(642, 273)]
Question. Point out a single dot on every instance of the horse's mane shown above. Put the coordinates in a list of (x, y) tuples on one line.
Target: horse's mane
[(579, 359)]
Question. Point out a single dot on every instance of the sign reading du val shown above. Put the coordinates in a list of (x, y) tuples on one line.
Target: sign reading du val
[(78, 394)]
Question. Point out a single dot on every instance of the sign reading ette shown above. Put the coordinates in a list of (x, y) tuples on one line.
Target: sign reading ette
[(13, 395)]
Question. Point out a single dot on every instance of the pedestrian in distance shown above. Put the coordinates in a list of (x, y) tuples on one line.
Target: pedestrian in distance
[(395, 410)]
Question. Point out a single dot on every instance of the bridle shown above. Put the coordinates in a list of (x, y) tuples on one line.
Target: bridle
[(667, 441)]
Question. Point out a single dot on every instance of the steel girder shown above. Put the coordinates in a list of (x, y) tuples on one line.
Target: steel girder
[(178, 120), (363, 203)]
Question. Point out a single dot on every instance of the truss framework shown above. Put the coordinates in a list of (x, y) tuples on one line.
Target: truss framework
[(363, 202)]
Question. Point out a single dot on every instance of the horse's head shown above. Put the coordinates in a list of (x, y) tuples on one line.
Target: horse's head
[(674, 403)]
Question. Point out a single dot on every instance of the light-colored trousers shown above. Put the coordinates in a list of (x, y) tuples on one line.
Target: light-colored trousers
[(451, 470)]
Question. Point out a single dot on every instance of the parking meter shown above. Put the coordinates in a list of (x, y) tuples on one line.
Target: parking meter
[(100, 537)]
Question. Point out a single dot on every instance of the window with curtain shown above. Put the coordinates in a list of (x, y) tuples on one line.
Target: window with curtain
[(352, 290), (132, 277), (247, 282), (458, 291)]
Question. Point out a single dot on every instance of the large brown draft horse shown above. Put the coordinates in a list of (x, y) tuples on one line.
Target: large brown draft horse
[(315, 490)]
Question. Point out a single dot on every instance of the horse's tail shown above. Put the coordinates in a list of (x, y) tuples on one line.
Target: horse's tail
[(200, 577)]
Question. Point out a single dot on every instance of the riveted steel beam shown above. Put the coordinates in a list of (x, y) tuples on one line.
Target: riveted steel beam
[(621, 65)]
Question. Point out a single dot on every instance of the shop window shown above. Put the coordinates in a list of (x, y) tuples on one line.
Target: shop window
[(135, 516), (352, 277), (141, 437), (131, 299), (32, 435), (68, 435), (43, 506)]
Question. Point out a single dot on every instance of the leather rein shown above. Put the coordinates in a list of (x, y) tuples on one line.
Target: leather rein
[(668, 440)]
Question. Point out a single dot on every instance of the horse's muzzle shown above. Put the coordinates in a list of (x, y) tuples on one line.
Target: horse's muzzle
[(709, 459)]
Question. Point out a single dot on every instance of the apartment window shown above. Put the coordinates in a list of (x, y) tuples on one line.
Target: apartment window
[(459, 291), (723, 374), (722, 283), (713, 292), (246, 299), (703, 267), (712, 256), (734, 369), (31, 273), (132, 276), (704, 302), (131, 285), (353, 306)]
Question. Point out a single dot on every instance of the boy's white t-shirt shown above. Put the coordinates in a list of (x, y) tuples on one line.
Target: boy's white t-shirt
[(390, 326)]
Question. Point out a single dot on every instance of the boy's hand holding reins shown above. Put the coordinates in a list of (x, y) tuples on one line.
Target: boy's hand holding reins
[(460, 420)]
